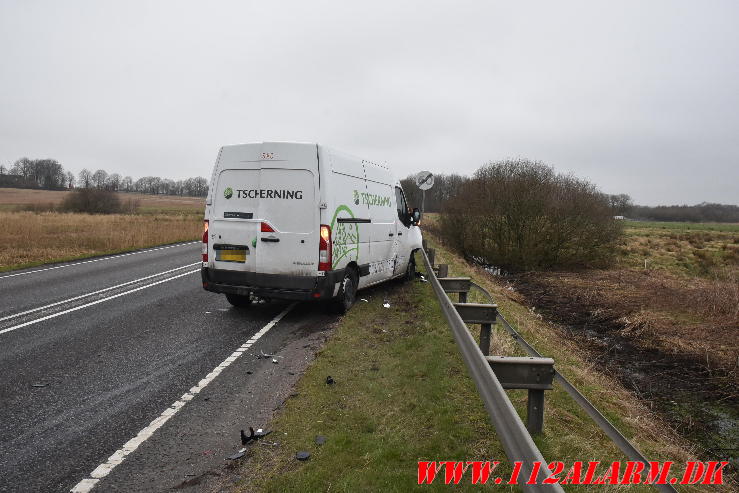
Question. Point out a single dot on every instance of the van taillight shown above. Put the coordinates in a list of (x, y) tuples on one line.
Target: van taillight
[(324, 248), (266, 228), (205, 241)]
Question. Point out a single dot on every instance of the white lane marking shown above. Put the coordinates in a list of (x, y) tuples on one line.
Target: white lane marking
[(98, 259), (119, 455), (54, 315), (15, 315)]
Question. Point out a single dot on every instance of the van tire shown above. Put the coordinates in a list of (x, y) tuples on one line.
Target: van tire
[(238, 300), (410, 271), (347, 292)]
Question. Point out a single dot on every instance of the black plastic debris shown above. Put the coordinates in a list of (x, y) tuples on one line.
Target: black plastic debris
[(261, 433), (329, 380), (302, 455), (253, 435), (39, 385), (320, 440), (237, 455), (249, 372)]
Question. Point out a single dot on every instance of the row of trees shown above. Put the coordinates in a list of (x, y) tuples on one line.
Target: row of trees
[(445, 187), (36, 173), (705, 212), (49, 174), (100, 179)]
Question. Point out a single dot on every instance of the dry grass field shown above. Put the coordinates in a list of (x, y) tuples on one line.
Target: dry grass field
[(18, 199), (30, 238), (675, 287)]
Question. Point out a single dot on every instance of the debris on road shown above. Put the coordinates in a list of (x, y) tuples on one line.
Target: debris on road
[(237, 455), (263, 355), (329, 380), (274, 361), (364, 299), (253, 435), (39, 385), (303, 455)]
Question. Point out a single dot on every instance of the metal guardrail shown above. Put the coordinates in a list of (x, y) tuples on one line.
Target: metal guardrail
[(603, 423), (516, 441)]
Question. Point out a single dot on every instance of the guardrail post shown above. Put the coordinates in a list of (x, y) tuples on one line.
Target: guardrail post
[(443, 270), (478, 313), (431, 255), (463, 296), (535, 411), (424, 245), (534, 374), (485, 330)]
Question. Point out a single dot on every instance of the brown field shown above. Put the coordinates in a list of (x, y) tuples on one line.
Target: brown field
[(30, 238), (673, 289), (15, 199)]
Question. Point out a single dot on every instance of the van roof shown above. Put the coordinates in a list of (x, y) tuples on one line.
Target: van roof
[(278, 142), (282, 142)]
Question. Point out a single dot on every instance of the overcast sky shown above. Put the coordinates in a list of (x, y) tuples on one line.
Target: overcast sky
[(639, 97)]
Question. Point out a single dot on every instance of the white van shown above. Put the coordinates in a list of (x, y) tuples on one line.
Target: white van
[(303, 222)]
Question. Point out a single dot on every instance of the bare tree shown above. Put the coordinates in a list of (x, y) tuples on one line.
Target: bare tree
[(99, 177), (70, 179), (85, 178), (621, 204), (113, 182)]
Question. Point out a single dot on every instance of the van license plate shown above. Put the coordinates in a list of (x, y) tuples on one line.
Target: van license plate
[(228, 253)]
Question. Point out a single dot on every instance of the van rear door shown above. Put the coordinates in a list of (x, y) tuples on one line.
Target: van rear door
[(265, 218)]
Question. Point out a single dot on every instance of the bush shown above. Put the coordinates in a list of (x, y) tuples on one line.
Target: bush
[(519, 214), (93, 201)]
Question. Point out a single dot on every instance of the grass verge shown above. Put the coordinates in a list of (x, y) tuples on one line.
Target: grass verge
[(403, 394)]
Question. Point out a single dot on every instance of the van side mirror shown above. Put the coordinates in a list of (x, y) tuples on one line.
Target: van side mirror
[(416, 216)]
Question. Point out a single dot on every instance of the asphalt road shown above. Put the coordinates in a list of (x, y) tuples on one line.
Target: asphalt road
[(93, 354)]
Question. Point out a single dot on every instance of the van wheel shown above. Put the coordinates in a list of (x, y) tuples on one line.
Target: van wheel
[(410, 271), (239, 301), (347, 293)]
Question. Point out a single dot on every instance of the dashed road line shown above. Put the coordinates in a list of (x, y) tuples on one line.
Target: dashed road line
[(119, 455), (97, 260)]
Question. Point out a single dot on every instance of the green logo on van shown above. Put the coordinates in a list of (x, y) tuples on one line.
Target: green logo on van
[(345, 237), (228, 192), (372, 199)]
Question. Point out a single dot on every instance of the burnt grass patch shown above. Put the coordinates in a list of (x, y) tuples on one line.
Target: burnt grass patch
[(697, 398)]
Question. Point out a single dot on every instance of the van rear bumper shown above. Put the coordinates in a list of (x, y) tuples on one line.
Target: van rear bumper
[(278, 286)]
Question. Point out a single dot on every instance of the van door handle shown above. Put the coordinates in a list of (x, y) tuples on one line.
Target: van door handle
[(391, 234), (271, 239), (400, 234)]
